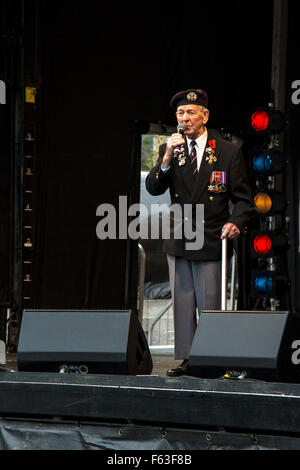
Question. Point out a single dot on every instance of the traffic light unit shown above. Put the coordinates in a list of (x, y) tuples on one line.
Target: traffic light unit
[(265, 244), (268, 203), (269, 284), (267, 121), (266, 162), (267, 237)]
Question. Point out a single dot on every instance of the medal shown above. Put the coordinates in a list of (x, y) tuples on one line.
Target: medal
[(218, 181), (181, 156), (210, 151), (211, 159)]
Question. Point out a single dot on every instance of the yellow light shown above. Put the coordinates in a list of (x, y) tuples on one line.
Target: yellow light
[(263, 203)]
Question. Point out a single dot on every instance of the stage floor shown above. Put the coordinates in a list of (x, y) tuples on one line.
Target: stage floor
[(41, 410)]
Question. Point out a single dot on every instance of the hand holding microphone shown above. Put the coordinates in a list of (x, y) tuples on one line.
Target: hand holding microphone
[(174, 144), (180, 129)]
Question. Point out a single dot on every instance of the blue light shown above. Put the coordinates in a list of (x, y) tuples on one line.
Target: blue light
[(262, 163), (263, 284)]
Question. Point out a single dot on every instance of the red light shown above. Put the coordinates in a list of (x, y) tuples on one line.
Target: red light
[(262, 244), (260, 120)]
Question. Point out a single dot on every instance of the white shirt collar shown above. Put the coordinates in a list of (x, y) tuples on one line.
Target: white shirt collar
[(200, 140)]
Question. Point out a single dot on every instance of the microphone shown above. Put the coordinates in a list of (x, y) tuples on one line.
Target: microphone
[(180, 129)]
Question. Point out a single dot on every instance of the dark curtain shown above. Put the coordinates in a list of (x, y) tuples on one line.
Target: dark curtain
[(101, 69), (293, 150)]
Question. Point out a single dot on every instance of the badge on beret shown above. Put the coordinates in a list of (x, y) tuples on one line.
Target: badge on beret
[(192, 96), (218, 181)]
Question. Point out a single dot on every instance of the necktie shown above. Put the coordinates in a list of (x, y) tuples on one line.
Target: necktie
[(193, 158)]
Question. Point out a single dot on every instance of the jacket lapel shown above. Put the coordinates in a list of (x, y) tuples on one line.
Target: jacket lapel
[(186, 172), (206, 168)]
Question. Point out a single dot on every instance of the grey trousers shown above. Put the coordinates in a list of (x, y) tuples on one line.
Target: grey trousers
[(194, 285)]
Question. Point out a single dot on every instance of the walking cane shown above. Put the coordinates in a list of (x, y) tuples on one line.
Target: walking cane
[(224, 275), (231, 374)]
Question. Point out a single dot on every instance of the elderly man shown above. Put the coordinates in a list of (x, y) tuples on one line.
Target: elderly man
[(198, 169)]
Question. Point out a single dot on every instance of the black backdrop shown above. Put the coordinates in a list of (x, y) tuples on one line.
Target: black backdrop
[(293, 151), (98, 69), (101, 70)]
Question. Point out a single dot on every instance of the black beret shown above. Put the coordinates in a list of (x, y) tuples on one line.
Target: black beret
[(192, 96)]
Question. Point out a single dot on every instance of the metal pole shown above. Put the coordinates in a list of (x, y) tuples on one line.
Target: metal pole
[(233, 281), (142, 281), (280, 26), (278, 86), (224, 275)]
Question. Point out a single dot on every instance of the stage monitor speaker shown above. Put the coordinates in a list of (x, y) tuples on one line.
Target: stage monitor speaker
[(83, 341), (263, 345)]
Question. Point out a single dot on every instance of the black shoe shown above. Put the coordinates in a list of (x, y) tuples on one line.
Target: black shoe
[(183, 369)]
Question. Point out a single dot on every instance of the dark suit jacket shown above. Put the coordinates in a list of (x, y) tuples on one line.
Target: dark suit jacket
[(185, 190)]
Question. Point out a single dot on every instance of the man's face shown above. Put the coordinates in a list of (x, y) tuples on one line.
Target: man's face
[(195, 117)]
